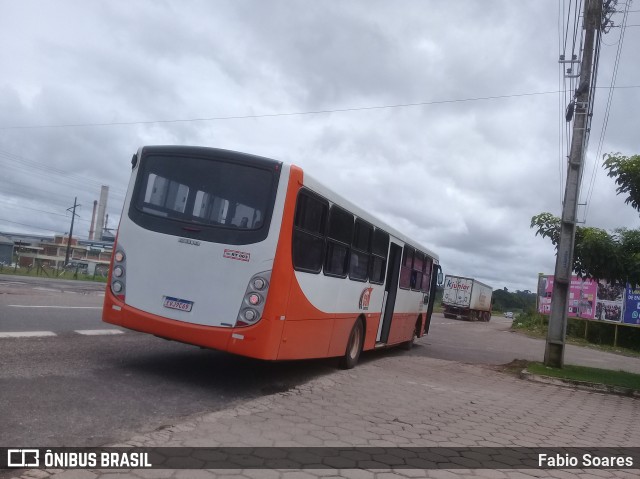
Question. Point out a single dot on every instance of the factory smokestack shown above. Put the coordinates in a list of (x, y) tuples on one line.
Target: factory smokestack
[(102, 209), (92, 228)]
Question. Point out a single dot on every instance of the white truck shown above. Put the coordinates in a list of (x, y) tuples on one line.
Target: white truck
[(468, 298)]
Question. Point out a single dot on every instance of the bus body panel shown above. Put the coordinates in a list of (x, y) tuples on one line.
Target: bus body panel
[(305, 315), (212, 305), (328, 306), (151, 274)]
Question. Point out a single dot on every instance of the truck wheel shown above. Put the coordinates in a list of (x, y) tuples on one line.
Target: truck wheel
[(354, 346), (487, 316)]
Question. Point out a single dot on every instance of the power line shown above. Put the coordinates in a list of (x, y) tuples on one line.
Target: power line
[(284, 114), (40, 211), (605, 122), (30, 226), (21, 160), (11, 188)]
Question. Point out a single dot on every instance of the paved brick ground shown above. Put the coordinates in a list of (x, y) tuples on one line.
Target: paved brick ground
[(410, 401)]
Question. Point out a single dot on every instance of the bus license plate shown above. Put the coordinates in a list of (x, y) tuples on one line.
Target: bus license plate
[(177, 303)]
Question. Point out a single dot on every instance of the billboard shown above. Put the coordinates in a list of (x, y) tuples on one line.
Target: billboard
[(632, 305), (591, 299), (582, 297)]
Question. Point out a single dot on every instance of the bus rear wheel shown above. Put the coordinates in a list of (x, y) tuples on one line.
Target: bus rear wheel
[(354, 346), (407, 345)]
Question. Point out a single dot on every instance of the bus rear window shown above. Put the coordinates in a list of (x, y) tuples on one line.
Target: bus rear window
[(205, 193)]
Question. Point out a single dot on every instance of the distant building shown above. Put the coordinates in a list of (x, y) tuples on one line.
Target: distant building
[(47, 251), (6, 250)]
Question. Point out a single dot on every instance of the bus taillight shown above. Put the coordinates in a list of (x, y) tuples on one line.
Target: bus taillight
[(254, 298), (119, 273)]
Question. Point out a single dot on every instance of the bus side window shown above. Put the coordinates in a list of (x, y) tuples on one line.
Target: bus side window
[(407, 264), (426, 274), (339, 236), (360, 251), (309, 231), (379, 252), (416, 273)]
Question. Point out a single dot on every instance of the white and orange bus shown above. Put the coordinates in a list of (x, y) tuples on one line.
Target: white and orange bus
[(252, 256)]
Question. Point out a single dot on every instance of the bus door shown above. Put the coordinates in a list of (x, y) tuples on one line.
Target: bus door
[(390, 291), (436, 280)]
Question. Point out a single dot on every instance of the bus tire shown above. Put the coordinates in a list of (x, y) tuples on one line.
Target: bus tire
[(354, 346), (407, 345)]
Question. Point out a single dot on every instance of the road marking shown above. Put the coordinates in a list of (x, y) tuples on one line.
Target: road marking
[(27, 334), (55, 307), (11, 282), (98, 332)]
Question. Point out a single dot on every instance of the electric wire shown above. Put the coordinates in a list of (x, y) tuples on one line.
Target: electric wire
[(561, 49), (40, 228), (17, 160), (275, 115), (42, 211), (607, 113)]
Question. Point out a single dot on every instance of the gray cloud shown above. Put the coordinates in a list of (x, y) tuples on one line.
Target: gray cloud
[(462, 178)]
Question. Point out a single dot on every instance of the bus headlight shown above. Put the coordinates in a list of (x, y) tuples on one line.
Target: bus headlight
[(254, 300)]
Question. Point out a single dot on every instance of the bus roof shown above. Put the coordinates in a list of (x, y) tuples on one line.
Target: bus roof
[(309, 181)]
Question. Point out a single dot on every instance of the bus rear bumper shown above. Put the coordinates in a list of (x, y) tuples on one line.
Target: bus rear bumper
[(120, 314), (243, 341)]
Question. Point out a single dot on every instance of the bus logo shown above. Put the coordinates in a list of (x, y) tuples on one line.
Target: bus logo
[(365, 297), (177, 303), (189, 241), (239, 255)]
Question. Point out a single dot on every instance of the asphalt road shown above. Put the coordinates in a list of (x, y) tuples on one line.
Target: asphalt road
[(72, 389)]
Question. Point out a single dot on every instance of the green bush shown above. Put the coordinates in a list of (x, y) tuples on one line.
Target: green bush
[(594, 332), (531, 322)]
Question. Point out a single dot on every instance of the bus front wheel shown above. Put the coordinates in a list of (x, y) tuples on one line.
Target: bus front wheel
[(354, 346)]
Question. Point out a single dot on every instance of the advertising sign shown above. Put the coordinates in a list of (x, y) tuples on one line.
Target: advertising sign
[(610, 302), (582, 297), (590, 299), (632, 305)]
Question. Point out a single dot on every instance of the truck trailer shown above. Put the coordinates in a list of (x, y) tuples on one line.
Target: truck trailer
[(466, 297)]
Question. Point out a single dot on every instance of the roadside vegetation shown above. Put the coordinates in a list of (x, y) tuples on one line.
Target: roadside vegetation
[(614, 255), (503, 301), (598, 334), (589, 375), (53, 273)]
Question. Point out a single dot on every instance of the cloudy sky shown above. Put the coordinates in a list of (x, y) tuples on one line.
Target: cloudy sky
[(84, 84)]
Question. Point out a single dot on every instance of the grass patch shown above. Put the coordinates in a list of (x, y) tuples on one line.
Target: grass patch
[(597, 335), (52, 274), (591, 375)]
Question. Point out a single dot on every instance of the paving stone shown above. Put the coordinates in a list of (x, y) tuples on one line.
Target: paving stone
[(75, 474)]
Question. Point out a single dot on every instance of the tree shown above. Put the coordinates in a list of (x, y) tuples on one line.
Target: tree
[(599, 254), (626, 171)]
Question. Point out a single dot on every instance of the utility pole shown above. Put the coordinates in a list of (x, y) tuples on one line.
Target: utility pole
[(73, 216), (554, 351)]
